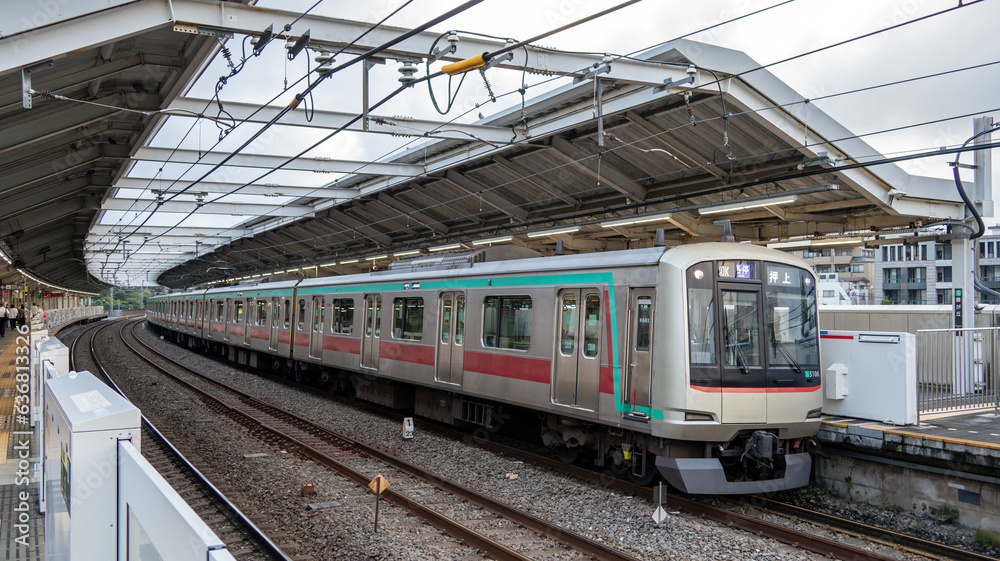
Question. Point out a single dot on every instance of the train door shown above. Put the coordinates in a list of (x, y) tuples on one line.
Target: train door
[(275, 315), (639, 367), (227, 318), (372, 333), (249, 320), (451, 338), (316, 332), (742, 361), (577, 374)]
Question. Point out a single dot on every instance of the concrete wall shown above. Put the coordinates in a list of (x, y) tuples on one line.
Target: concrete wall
[(899, 318), (913, 491)]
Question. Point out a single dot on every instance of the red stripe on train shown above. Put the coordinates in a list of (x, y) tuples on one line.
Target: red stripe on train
[(851, 337), (754, 390), (516, 367), (342, 345), (417, 354)]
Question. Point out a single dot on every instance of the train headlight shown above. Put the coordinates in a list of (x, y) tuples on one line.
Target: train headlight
[(698, 417), (814, 414), (699, 274)]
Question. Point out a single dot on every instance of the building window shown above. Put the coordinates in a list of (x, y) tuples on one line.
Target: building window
[(989, 250), (507, 322), (857, 268), (844, 252), (923, 252), (408, 318), (943, 275), (885, 253), (943, 251), (829, 293), (982, 249), (823, 269), (891, 276)]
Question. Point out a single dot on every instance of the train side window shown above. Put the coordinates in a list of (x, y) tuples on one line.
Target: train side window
[(459, 319), (262, 312), (220, 311), (408, 318), (645, 318), (592, 326), (275, 311), (701, 314), (507, 322), (319, 312), (238, 314), (567, 336), (446, 312), (343, 315), (378, 316), (287, 305), (302, 314)]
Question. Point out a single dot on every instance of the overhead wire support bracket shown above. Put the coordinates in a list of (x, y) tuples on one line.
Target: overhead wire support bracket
[(603, 69), (670, 84)]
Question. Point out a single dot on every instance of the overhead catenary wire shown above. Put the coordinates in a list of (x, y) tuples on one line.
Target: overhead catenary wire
[(360, 58), (522, 90), (300, 96)]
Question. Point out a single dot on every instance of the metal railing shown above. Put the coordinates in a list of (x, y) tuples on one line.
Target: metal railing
[(60, 316), (957, 369)]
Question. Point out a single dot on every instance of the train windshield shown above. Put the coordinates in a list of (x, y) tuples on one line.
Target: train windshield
[(791, 335)]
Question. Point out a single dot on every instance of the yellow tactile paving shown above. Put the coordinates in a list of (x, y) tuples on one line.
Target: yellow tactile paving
[(8, 352), (925, 436)]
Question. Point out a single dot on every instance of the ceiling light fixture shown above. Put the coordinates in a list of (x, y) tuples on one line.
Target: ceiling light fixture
[(748, 204), (555, 232), (445, 247), (838, 241), (376, 257), (637, 219), (405, 253), (501, 239)]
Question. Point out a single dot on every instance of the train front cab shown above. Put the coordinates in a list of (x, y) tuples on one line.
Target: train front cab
[(750, 349)]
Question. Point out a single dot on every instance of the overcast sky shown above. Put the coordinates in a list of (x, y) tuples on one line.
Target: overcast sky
[(961, 38)]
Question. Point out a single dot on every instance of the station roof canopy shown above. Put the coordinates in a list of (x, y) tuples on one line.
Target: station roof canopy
[(677, 138)]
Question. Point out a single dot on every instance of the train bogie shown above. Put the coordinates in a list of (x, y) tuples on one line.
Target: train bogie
[(698, 362)]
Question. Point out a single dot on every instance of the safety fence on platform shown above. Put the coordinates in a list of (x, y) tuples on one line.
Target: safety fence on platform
[(957, 369), (62, 316)]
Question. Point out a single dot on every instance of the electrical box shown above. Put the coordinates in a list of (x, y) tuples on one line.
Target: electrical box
[(51, 360), (870, 375), (835, 383), (84, 421)]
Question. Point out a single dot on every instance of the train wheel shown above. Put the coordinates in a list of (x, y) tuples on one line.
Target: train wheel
[(648, 475), (568, 455)]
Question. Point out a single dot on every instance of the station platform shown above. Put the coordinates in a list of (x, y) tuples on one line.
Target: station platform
[(967, 440), (21, 529)]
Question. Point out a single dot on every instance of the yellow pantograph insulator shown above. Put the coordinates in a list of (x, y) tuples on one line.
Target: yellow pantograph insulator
[(466, 65)]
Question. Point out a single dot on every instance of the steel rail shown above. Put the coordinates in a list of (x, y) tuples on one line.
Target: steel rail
[(567, 537), (250, 529)]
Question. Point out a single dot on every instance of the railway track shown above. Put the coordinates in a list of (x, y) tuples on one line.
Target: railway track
[(243, 539), (452, 508), (802, 540)]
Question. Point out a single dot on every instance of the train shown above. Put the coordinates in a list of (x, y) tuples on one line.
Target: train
[(697, 362)]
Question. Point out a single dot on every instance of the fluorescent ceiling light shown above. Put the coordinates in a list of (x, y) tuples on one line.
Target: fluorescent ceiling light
[(376, 257), (348, 262), (445, 247), (838, 241), (333, 264), (405, 253), (748, 204), (637, 219), (293, 270), (501, 239), (788, 244), (555, 232)]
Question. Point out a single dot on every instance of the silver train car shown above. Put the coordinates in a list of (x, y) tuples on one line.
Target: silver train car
[(698, 362)]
